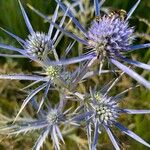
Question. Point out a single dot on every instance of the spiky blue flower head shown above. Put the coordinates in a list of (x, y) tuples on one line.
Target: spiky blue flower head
[(53, 72), (101, 110), (55, 117), (58, 75), (105, 110), (48, 123), (110, 35), (38, 44)]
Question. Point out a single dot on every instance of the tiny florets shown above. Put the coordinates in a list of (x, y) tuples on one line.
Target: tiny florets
[(55, 117), (105, 110), (109, 35), (52, 117), (53, 72), (106, 113), (38, 44)]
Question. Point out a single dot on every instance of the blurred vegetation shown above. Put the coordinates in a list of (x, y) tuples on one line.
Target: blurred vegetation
[(11, 97)]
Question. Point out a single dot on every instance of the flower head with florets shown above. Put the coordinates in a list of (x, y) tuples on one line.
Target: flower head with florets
[(38, 44), (100, 110), (110, 35), (105, 110), (48, 122)]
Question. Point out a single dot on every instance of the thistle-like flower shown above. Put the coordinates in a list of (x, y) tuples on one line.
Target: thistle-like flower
[(38, 45), (53, 72), (106, 112), (108, 38), (101, 110), (48, 123)]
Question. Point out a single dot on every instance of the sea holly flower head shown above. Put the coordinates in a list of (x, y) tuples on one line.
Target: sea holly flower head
[(53, 117), (104, 109), (48, 122), (109, 35), (53, 72), (101, 110), (38, 44)]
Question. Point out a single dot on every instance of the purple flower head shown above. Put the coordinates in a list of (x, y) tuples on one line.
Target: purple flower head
[(110, 35)]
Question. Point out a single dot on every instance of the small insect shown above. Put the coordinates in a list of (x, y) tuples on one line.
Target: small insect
[(122, 14)]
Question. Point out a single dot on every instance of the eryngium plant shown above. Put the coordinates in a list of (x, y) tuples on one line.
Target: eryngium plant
[(37, 47), (107, 40), (95, 110), (101, 110), (48, 123)]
